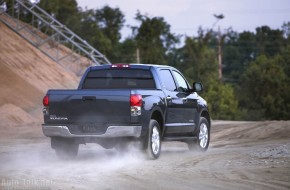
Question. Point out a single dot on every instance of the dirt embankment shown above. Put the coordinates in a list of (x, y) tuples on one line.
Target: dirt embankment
[(26, 74)]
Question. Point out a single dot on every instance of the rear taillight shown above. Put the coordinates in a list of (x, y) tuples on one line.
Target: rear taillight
[(136, 100), (135, 104), (45, 100)]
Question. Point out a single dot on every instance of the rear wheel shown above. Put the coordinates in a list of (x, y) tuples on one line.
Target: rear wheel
[(65, 148), (153, 147), (203, 137)]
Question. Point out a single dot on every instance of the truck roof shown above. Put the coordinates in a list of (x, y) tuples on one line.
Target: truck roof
[(131, 65)]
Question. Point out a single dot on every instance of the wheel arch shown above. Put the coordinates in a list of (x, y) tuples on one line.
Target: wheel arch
[(205, 114), (158, 116)]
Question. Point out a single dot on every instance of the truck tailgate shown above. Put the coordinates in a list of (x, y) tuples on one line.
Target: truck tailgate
[(98, 107)]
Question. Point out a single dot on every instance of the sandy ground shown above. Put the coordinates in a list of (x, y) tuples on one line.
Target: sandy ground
[(26, 73), (25, 76), (242, 155)]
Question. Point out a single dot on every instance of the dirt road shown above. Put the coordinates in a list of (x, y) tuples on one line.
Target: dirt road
[(242, 155)]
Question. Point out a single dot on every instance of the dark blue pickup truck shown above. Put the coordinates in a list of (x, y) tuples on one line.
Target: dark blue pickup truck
[(118, 103)]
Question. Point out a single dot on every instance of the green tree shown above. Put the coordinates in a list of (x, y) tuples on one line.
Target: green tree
[(245, 47), (197, 60), (110, 21), (285, 60), (238, 51), (101, 28), (154, 39), (264, 89), (127, 51), (17, 11), (199, 63), (269, 42), (65, 11), (91, 32), (286, 32), (222, 101)]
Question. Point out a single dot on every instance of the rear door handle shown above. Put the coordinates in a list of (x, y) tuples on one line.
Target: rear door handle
[(88, 98)]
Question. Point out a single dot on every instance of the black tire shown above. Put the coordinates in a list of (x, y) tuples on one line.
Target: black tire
[(203, 136), (65, 148), (153, 144)]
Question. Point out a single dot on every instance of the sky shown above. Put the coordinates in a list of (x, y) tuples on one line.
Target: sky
[(186, 16)]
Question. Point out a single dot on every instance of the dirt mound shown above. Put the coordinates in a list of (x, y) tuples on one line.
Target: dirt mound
[(70, 60), (15, 90), (26, 74), (223, 132), (11, 115), (31, 64)]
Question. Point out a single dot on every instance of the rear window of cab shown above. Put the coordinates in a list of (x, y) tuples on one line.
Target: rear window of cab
[(119, 79)]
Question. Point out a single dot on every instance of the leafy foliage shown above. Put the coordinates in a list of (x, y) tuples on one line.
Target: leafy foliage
[(265, 88), (65, 11), (222, 101), (154, 39), (110, 21), (198, 62)]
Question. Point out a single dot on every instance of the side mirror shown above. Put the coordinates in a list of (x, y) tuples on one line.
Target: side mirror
[(197, 87)]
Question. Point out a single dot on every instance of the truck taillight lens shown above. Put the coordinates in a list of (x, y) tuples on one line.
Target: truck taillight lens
[(45, 101), (136, 100), (135, 103)]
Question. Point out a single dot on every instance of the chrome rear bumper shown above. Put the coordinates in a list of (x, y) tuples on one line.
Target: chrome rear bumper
[(112, 131)]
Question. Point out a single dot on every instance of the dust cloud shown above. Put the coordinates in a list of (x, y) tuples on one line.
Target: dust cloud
[(37, 161)]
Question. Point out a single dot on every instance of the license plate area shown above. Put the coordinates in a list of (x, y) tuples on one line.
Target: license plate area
[(88, 128)]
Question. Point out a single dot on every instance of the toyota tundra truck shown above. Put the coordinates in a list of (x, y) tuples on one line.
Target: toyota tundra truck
[(119, 103)]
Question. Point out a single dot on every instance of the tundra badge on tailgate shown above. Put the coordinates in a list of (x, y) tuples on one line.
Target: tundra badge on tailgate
[(54, 117)]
